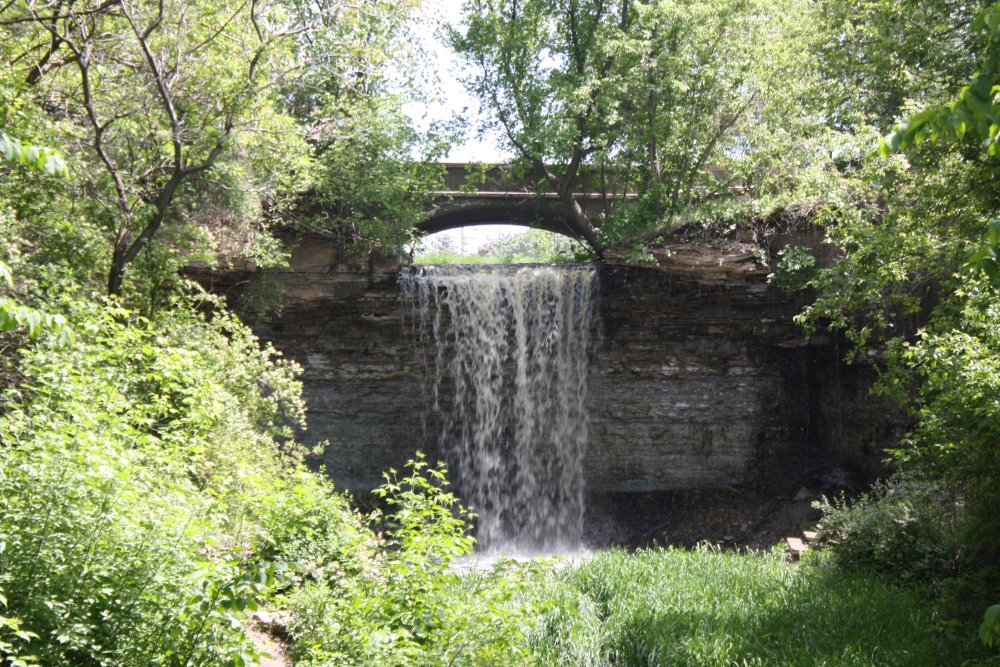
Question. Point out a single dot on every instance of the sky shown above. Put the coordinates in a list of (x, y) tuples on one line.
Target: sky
[(456, 100)]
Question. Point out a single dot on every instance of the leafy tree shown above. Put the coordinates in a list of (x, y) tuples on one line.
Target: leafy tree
[(13, 314), (374, 175), (905, 283), (39, 157), (881, 57), (681, 102), (534, 245), (548, 70), (720, 106), (158, 90), (374, 170), (183, 111), (973, 116)]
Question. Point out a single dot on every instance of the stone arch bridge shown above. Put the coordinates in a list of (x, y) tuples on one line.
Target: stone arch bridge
[(481, 195)]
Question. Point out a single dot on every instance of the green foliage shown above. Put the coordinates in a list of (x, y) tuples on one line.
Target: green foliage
[(48, 240), (190, 120), (796, 268), (905, 279), (716, 104), (535, 245), (885, 58), (683, 103), (989, 631), (903, 528), (13, 635), (369, 188), (663, 607), (568, 628), (974, 112), (452, 258), (905, 237), (710, 607), (973, 115), (40, 158), (424, 520), (130, 467), (956, 368), (155, 102), (399, 601), (987, 259), (13, 315)]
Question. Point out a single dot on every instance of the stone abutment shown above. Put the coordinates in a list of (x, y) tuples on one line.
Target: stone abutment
[(700, 380)]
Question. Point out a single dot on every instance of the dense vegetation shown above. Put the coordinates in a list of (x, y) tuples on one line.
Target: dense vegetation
[(534, 245), (152, 494)]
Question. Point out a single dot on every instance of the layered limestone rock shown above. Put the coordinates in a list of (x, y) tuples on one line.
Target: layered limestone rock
[(700, 378)]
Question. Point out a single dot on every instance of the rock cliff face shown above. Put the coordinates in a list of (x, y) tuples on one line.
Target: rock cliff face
[(700, 381)]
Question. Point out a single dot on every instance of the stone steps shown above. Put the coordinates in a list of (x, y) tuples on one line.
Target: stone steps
[(796, 546)]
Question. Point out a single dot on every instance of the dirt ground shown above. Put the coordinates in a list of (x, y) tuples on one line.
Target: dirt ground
[(744, 518)]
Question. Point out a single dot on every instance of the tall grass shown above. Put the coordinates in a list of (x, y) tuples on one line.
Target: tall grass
[(457, 258), (454, 258), (707, 607)]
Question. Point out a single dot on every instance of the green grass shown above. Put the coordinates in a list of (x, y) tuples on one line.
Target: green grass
[(707, 607), (456, 258), (453, 258)]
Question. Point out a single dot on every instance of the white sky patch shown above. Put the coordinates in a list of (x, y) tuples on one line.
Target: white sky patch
[(469, 240), (453, 100)]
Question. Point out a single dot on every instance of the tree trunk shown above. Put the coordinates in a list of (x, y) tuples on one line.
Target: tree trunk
[(576, 218), (580, 223), (116, 273)]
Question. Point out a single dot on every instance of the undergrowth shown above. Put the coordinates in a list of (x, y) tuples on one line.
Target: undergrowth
[(151, 498), (710, 607), (701, 607)]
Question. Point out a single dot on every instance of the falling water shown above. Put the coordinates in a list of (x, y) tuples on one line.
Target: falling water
[(506, 350)]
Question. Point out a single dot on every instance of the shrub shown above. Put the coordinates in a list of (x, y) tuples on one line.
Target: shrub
[(905, 527), (130, 466), (401, 602), (796, 268)]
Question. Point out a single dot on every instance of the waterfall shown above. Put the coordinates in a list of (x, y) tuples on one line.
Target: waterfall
[(506, 350)]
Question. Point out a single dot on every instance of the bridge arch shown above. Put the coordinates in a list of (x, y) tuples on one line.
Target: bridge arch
[(533, 214)]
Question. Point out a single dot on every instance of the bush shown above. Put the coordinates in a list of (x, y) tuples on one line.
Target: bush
[(904, 527), (796, 268), (131, 464), (399, 601)]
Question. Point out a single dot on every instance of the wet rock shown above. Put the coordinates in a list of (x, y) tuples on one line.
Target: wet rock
[(694, 384)]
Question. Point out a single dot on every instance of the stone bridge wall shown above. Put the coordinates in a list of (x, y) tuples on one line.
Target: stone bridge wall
[(701, 380)]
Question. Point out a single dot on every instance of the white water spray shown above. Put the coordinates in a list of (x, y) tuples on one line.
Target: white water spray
[(507, 349)]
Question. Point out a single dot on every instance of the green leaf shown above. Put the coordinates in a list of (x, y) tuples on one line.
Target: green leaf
[(5, 275), (66, 337), (9, 148), (990, 267), (977, 102), (55, 166), (8, 322), (989, 631), (29, 156)]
